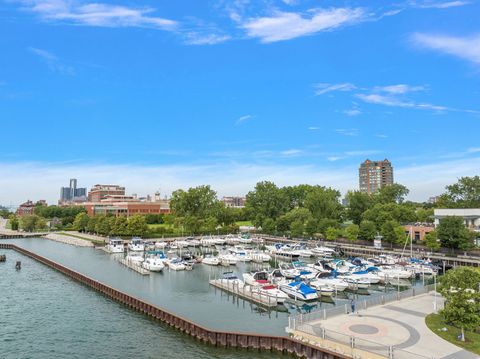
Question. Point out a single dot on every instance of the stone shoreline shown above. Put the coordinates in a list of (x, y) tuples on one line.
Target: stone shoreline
[(69, 240)]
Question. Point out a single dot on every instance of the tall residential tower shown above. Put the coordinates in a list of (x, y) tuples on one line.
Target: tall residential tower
[(375, 174)]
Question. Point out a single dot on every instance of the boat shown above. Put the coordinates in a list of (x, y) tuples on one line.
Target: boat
[(240, 253), (136, 245), (161, 245), (271, 291), (289, 272), (211, 260), (228, 259), (327, 291), (277, 277), (356, 283), (256, 278), (134, 258), (153, 264), (175, 264), (326, 280), (115, 245), (207, 242), (299, 290), (182, 244), (322, 251), (188, 264), (283, 252), (260, 257), (194, 242), (302, 250)]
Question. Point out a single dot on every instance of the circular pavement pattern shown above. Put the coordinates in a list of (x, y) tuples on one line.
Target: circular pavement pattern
[(363, 329)]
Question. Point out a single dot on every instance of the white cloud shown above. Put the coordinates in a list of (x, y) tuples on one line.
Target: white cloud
[(347, 131), (441, 4), (97, 14), (323, 88), (361, 152), (467, 48), (242, 119), (392, 101), (52, 61), (291, 152), (314, 128), (289, 25), (352, 112), (399, 89), (195, 38), (334, 158)]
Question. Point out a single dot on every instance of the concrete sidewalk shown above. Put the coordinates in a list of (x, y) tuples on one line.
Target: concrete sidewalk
[(399, 324)]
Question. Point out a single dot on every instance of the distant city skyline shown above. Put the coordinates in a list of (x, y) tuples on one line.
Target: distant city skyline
[(169, 95)]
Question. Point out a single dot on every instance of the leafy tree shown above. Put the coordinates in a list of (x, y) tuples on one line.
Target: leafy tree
[(367, 230), (191, 224), (452, 233), (29, 223), (461, 290), (324, 203), (425, 215), (325, 223), (331, 233), (58, 212), (352, 231), (431, 241), (104, 225), (81, 222), (266, 201), (210, 225), (137, 226), (283, 223), (381, 213), (14, 223), (358, 203), (92, 223), (311, 226), (200, 202), (268, 225), (392, 232), (296, 195), (394, 193), (297, 228), (463, 194), (120, 227), (4, 212)]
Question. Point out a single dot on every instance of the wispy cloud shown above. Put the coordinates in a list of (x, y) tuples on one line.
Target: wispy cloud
[(197, 38), (399, 89), (352, 112), (314, 128), (467, 48), (52, 61), (243, 119), (440, 4), (323, 88), (347, 131), (386, 100), (294, 152), (97, 14), (289, 25)]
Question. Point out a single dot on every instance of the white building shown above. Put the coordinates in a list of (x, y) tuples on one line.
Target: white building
[(471, 216)]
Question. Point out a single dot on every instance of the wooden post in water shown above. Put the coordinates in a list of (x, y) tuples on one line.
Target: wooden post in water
[(18, 265)]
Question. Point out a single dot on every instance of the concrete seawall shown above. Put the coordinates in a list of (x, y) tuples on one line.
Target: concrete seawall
[(224, 339)]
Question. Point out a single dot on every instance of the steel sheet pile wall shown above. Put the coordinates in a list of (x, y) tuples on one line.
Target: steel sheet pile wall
[(226, 339)]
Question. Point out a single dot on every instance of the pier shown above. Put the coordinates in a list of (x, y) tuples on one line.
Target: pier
[(134, 266), (244, 291), (217, 338)]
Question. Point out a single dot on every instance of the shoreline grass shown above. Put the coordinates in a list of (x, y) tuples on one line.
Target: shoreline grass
[(472, 340), (94, 241)]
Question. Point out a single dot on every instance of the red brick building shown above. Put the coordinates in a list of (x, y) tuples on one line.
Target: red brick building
[(28, 208), (128, 207), (101, 191)]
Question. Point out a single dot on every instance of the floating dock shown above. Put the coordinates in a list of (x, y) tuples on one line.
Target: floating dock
[(244, 291), (134, 266)]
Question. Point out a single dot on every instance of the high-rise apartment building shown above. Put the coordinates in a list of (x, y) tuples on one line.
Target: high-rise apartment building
[(72, 193), (375, 174)]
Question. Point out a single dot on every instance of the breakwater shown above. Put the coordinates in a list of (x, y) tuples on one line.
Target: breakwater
[(213, 337)]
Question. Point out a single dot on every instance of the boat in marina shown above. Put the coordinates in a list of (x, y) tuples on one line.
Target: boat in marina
[(302, 250), (271, 291), (299, 291), (356, 283), (326, 280), (182, 244), (136, 245), (211, 260), (153, 264), (161, 245), (228, 259), (260, 257), (322, 251), (282, 252), (175, 264), (241, 253), (115, 245), (135, 258), (256, 278)]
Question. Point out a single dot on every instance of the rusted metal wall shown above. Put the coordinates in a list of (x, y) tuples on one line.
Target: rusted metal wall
[(225, 339)]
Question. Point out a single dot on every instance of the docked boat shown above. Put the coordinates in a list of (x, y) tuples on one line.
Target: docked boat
[(282, 252), (228, 259), (299, 291), (302, 250), (175, 264), (134, 258), (356, 283), (326, 280), (271, 291), (256, 278), (241, 253), (211, 260), (260, 257), (161, 245), (115, 245), (153, 264), (182, 244), (322, 251), (136, 245)]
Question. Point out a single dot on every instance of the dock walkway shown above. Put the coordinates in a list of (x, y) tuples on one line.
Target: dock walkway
[(134, 266), (244, 291)]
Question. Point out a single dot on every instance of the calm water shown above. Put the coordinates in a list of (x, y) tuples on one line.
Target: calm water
[(47, 315)]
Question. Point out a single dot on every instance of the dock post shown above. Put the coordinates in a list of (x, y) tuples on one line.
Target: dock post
[(18, 265)]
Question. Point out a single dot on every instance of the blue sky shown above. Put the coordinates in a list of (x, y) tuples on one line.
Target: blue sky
[(168, 94)]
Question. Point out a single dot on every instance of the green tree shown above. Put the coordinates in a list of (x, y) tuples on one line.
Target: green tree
[(297, 228), (14, 223), (392, 232), (425, 215), (92, 223), (461, 290), (200, 202), (210, 225), (432, 242), (137, 226), (265, 201), (358, 203), (352, 231), (331, 233), (268, 225), (452, 233), (394, 193), (30, 223), (367, 230), (296, 195), (381, 213), (81, 222), (311, 226), (104, 225), (324, 203), (463, 194), (120, 227), (325, 223)]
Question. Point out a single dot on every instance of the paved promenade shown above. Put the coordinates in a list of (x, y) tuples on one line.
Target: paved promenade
[(398, 324)]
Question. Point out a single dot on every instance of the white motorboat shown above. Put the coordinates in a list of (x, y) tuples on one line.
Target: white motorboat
[(283, 252), (260, 257), (289, 272), (194, 242), (211, 260), (327, 291), (299, 290), (161, 245), (370, 276), (323, 251), (240, 253), (207, 242), (231, 239), (228, 259), (218, 241), (175, 264), (134, 258), (356, 283), (271, 291), (393, 272), (244, 240), (153, 264), (136, 245), (277, 277), (302, 250), (115, 245), (182, 244), (256, 278), (325, 280)]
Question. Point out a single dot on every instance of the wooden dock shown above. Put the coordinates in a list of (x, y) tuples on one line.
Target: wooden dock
[(244, 291), (134, 266)]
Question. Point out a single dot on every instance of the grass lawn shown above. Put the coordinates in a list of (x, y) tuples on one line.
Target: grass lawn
[(472, 340), (84, 238), (244, 223)]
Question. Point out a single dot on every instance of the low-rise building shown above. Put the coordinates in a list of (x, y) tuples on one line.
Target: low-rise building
[(417, 231), (28, 208), (127, 206), (234, 202), (101, 191), (471, 216)]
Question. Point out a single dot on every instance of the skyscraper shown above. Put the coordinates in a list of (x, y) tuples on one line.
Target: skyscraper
[(72, 193), (375, 174)]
